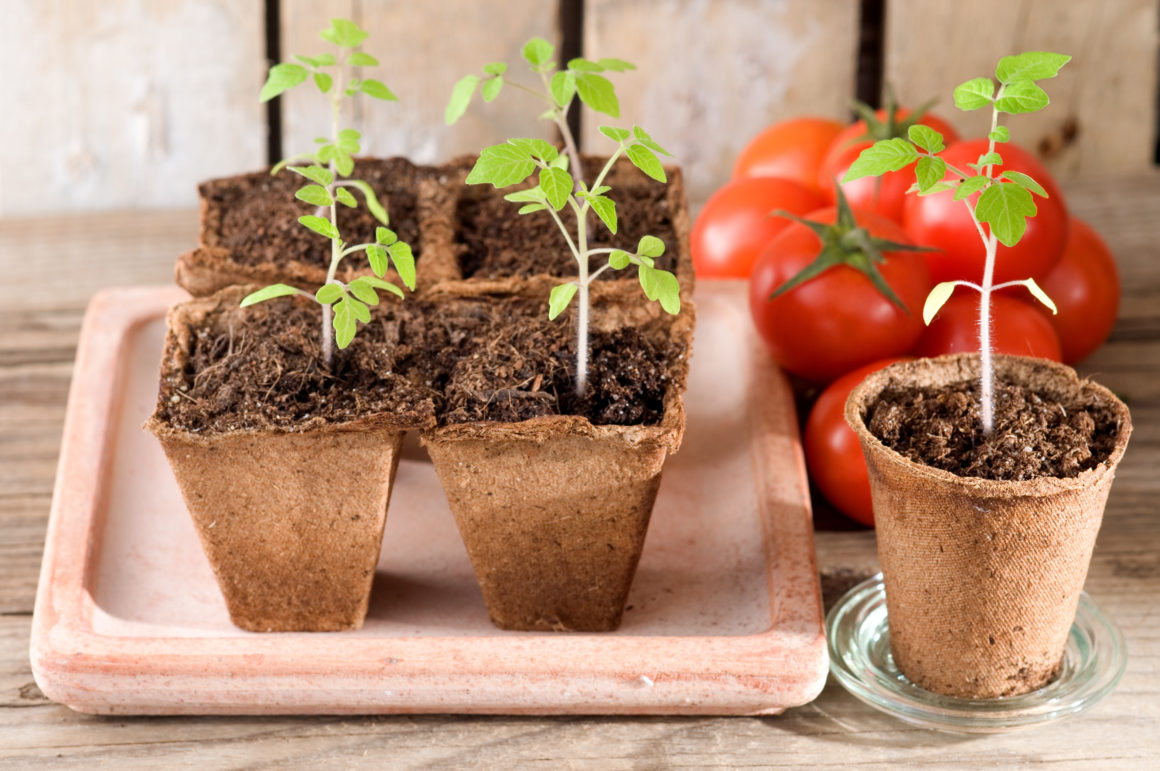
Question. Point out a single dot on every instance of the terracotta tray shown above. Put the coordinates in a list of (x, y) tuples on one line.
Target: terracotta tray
[(725, 616)]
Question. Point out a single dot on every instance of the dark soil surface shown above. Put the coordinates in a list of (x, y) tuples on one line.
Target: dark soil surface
[(510, 363), (259, 213), (1034, 435), (259, 368), (495, 241)]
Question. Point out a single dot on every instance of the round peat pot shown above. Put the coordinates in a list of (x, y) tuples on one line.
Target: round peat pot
[(982, 576)]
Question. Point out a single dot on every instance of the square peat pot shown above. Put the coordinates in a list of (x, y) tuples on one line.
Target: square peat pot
[(724, 617)]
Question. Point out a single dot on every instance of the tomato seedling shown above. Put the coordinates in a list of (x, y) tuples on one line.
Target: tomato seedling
[(1004, 202), (328, 170), (560, 182)]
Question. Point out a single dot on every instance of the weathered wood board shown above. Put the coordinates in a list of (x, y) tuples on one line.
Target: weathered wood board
[(123, 104), (1102, 117), (423, 49), (711, 74)]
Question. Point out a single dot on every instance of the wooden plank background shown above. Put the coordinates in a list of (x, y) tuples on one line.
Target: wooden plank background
[(126, 104)]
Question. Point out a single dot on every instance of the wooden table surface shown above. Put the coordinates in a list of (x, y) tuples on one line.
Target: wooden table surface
[(54, 264)]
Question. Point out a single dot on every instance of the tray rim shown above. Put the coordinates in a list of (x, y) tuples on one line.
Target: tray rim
[(763, 673)]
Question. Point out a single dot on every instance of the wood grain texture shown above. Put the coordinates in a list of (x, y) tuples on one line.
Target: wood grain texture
[(127, 104), (423, 49), (712, 73), (37, 340), (1106, 96)]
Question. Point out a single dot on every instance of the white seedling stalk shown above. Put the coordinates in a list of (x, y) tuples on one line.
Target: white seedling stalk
[(335, 244)]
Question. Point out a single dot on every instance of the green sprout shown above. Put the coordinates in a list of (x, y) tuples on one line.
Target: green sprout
[(1004, 203), (328, 170), (560, 183)]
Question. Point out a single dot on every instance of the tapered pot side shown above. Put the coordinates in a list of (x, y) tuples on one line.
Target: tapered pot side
[(291, 521), (982, 577), (553, 510)]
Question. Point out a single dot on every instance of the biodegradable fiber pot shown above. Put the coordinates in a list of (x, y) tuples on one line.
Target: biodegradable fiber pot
[(290, 520), (553, 510), (982, 577)]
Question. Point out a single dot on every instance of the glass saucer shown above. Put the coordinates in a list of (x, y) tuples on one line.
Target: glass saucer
[(860, 658)]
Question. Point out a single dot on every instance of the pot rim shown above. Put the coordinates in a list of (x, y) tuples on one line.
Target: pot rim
[(965, 366)]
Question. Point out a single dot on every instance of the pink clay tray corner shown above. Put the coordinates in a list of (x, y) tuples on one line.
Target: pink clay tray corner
[(725, 615)]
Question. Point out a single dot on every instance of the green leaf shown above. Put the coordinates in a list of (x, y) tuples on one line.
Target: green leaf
[(385, 236), (975, 93), (377, 257), (315, 194), (986, 159), (1033, 65), (649, 282), (344, 325), (282, 77), (323, 81), (319, 225), (561, 162), (616, 65), (605, 209), (643, 159), (557, 186), (495, 68), (348, 140), (360, 310), (372, 87), (328, 294), (378, 283), (559, 299), (343, 163), (268, 293), (614, 133), (460, 98), (1000, 134), (324, 60), (319, 174), (668, 291), (937, 187), (1025, 182), (970, 186), (359, 59), (501, 165), (597, 92), (343, 196), (538, 52), (344, 33), (310, 60), (643, 137), (936, 300), (537, 148), (584, 65), (619, 259), (1038, 293), (373, 206), (404, 260), (532, 207), (926, 138), (650, 246), (1021, 97), (929, 172), (881, 157), (563, 87), (362, 291), (491, 88), (521, 196), (1005, 207)]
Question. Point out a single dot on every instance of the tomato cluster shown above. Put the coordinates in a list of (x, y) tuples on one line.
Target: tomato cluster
[(836, 290)]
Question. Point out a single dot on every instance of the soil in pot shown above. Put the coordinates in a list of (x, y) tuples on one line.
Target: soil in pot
[(494, 241), (255, 216), (552, 493), (985, 541), (286, 466)]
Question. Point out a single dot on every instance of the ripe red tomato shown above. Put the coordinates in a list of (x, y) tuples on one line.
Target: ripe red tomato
[(833, 454), (944, 223), (836, 321), (1016, 328), (883, 195), (1085, 287), (735, 224), (792, 149)]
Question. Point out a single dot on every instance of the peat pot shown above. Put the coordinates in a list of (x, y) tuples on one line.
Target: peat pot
[(983, 576)]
